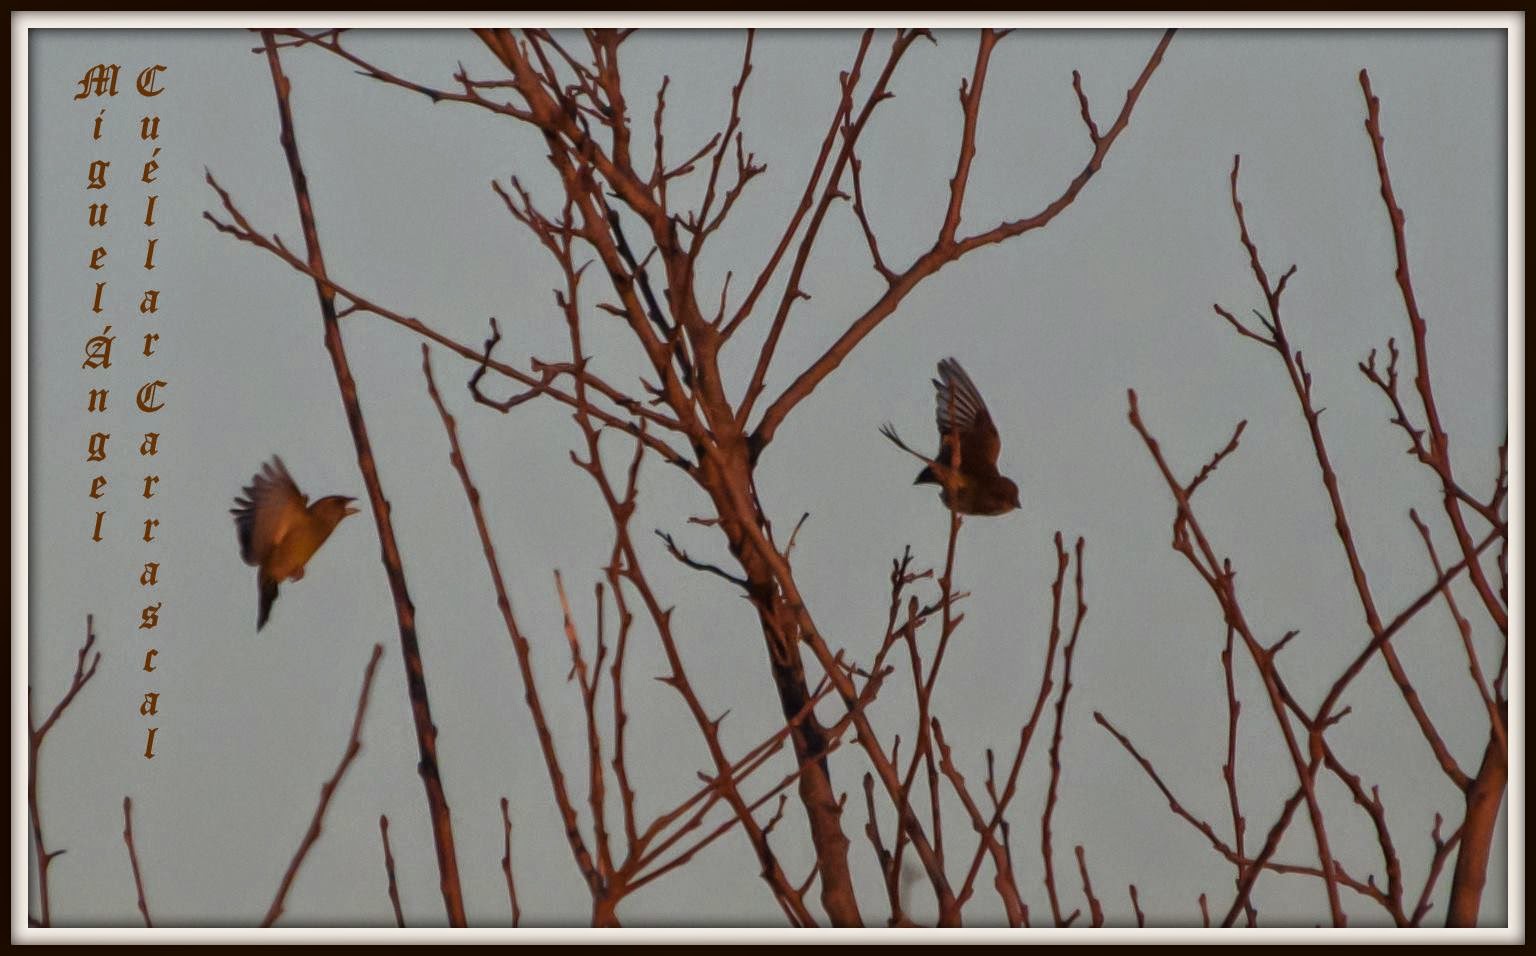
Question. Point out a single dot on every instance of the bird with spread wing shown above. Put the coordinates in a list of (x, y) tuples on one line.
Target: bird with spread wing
[(965, 469), (279, 530)]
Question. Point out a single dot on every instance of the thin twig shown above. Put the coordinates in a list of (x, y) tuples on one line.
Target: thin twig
[(1190, 541), (1027, 732), (1464, 628), (1439, 443), (1301, 385), (133, 860), (943, 253), (327, 790), (506, 864), (1055, 749), (35, 736), (520, 645), (389, 872), (1245, 866), (1229, 766), (1095, 909)]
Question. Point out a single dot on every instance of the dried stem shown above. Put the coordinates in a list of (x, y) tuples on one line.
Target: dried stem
[(541, 384), (1190, 541), (520, 645), (1095, 909), (597, 792), (1485, 791), (947, 250), (1439, 441), (1026, 734), (506, 864), (1002, 860), (578, 105), (1245, 865), (133, 861), (890, 872), (1229, 767), (1442, 852), (405, 613), (389, 872), (1464, 628), (923, 686), (1301, 384), (35, 736), (327, 791), (1055, 749)]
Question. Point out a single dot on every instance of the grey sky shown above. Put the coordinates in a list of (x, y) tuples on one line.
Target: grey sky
[(1054, 327)]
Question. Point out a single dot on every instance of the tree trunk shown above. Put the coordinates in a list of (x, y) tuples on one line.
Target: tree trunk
[(1484, 797), (782, 636)]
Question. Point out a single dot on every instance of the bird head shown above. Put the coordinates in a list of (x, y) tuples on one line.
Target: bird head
[(332, 508)]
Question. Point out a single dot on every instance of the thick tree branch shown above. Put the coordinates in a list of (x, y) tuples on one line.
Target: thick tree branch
[(405, 610)]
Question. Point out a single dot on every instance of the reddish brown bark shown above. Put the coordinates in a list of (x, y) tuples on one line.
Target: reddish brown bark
[(405, 610)]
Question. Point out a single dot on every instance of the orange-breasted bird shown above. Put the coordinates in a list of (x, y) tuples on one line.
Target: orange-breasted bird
[(965, 468), (279, 530)]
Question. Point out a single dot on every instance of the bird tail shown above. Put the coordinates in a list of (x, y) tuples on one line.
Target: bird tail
[(267, 593), (924, 477), (889, 431)]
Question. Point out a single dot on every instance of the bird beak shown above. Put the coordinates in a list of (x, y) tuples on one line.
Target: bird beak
[(349, 510)]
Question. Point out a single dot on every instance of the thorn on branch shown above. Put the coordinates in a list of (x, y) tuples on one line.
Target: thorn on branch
[(790, 547), (1265, 320), (1244, 331), (682, 556)]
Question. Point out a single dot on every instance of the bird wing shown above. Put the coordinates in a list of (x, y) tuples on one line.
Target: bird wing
[(962, 412), (271, 507)]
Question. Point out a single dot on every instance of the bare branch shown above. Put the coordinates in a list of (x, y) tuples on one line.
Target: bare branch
[(1439, 442), (1095, 910), (927, 264), (327, 791), (970, 104), (1464, 628), (393, 888), (1055, 749), (405, 611), (35, 736), (1229, 767), (506, 864), (133, 861), (520, 645), (1190, 541), (1301, 385), (1026, 734), (683, 558)]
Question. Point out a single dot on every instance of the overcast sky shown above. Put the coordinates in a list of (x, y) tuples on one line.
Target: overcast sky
[(1053, 327)]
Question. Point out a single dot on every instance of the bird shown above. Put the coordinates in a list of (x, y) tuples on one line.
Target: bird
[(965, 468), (279, 530)]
